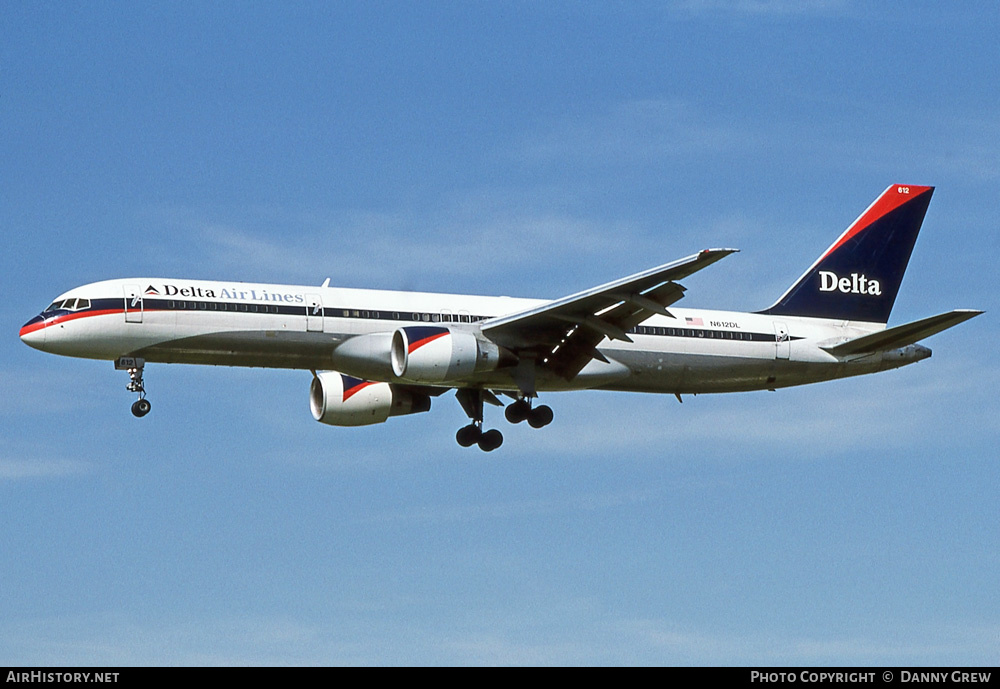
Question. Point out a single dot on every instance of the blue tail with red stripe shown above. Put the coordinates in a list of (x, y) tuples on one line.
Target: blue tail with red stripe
[(857, 278)]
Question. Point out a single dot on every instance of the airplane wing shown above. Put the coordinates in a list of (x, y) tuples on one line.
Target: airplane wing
[(563, 335), (902, 335)]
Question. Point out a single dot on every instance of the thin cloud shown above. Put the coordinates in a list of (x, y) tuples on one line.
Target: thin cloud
[(678, 644), (761, 8), (42, 390), (516, 509), (29, 469), (480, 237), (891, 410), (637, 131)]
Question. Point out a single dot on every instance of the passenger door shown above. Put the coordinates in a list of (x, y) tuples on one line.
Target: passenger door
[(782, 343), (133, 304), (314, 313)]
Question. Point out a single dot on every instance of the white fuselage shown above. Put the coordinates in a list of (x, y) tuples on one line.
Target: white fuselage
[(290, 326)]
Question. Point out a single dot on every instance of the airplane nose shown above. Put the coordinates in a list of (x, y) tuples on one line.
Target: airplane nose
[(33, 332)]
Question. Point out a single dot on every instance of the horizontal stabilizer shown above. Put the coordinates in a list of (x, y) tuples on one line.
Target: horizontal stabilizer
[(902, 335)]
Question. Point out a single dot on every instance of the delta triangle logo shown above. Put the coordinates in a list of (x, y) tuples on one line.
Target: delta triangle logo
[(151, 290)]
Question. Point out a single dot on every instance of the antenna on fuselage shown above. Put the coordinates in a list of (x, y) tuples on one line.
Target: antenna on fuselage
[(326, 283)]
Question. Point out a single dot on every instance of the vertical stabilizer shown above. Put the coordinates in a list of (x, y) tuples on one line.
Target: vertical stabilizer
[(857, 278)]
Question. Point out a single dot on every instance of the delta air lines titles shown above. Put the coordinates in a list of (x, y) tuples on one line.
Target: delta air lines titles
[(226, 293), (856, 284)]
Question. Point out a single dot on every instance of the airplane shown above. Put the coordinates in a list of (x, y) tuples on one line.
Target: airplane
[(374, 354)]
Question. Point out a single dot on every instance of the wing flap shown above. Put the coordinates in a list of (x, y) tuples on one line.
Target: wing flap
[(902, 335), (563, 335), (548, 323)]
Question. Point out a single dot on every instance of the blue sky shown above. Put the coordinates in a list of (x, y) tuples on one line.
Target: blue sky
[(496, 148)]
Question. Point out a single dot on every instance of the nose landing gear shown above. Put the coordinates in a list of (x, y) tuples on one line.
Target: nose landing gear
[(134, 366)]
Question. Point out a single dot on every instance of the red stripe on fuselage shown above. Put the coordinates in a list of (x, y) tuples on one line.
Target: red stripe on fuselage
[(66, 318), (891, 199), (30, 328), (420, 343)]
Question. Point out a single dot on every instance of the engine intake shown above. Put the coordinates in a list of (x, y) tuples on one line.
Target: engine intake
[(342, 400)]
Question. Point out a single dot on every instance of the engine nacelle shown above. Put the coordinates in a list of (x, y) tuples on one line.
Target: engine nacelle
[(366, 356), (435, 354), (341, 400)]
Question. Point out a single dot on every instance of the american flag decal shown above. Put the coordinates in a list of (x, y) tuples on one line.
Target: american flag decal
[(693, 321)]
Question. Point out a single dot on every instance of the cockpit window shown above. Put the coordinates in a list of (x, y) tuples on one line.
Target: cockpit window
[(68, 304)]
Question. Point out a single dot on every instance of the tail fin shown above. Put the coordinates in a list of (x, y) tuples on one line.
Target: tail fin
[(857, 278)]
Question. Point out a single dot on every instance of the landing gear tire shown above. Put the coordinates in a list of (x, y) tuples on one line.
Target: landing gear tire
[(468, 436), (140, 408), (540, 416), (490, 440), (518, 411)]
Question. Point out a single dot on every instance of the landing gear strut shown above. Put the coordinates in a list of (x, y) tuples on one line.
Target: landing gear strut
[(134, 366)]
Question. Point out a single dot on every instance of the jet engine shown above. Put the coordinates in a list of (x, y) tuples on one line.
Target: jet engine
[(341, 400), (435, 354)]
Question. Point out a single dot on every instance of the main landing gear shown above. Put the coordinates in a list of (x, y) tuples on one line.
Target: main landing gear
[(521, 410), (134, 366), (516, 412), (473, 434)]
